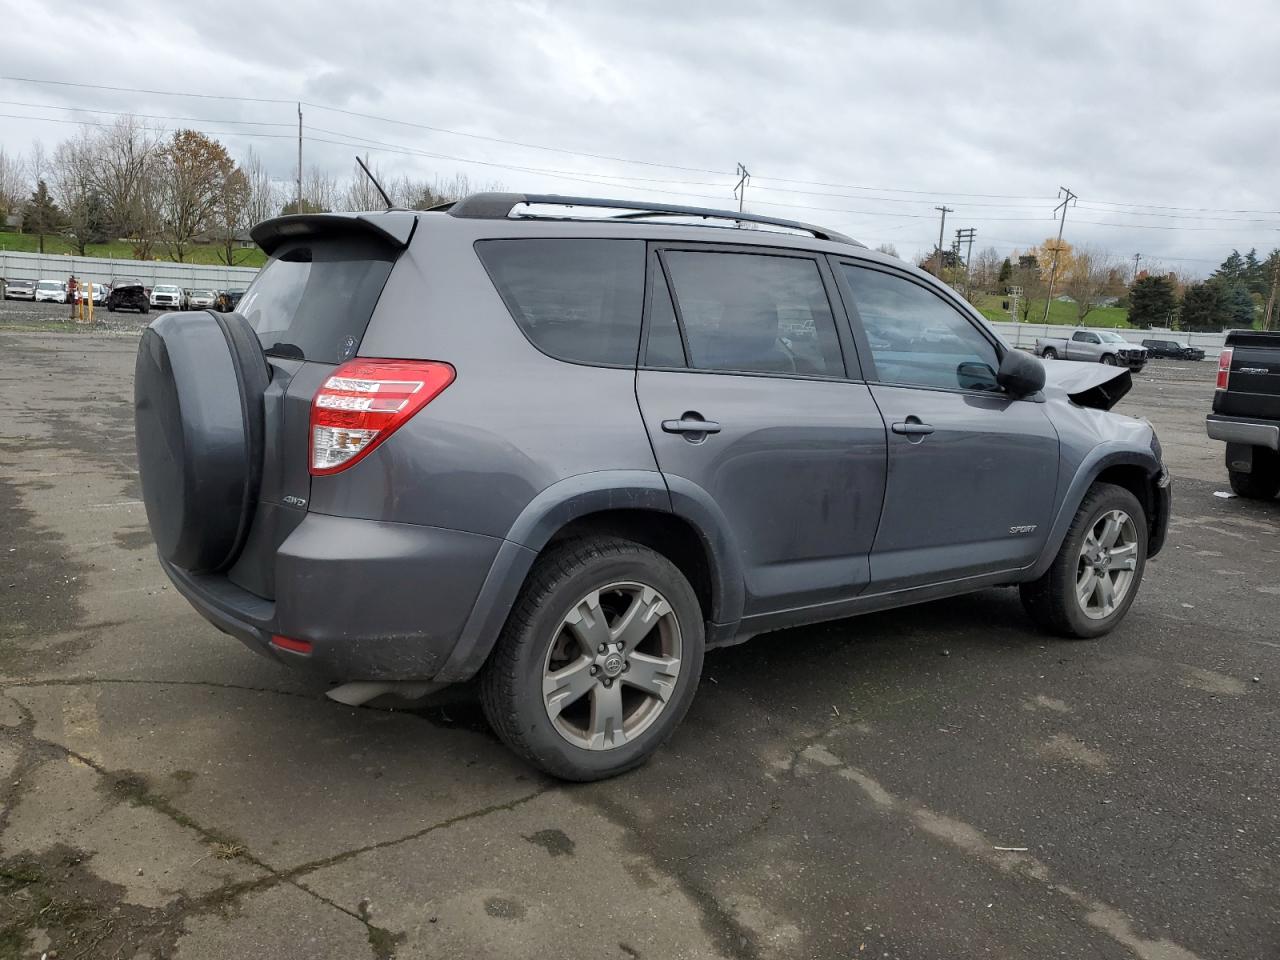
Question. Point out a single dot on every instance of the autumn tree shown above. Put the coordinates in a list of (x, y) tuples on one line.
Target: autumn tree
[(1087, 279), (193, 169)]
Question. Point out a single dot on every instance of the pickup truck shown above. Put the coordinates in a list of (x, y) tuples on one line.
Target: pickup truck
[(1095, 346), (1172, 349), (1246, 412)]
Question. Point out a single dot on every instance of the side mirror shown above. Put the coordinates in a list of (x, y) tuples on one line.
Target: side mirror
[(974, 375), (1020, 374)]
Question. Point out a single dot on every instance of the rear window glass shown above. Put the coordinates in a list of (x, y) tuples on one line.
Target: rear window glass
[(313, 301), (576, 300)]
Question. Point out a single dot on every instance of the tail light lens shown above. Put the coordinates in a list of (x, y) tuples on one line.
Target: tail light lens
[(1224, 367), (363, 402)]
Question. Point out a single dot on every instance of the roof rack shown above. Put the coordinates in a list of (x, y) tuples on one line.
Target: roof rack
[(500, 206)]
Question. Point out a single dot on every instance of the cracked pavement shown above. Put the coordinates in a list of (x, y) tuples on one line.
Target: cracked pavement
[(933, 782)]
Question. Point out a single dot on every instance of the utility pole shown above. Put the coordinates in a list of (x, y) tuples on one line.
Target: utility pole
[(1271, 298), (1067, 198), (740, 191), (299, 208), (941, 227), (1136, 258), (966, 235)]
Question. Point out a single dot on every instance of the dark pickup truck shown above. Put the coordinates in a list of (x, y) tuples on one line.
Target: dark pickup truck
[(1246, 411)]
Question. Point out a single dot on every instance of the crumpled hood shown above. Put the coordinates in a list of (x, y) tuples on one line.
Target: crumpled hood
[(1094, 385)]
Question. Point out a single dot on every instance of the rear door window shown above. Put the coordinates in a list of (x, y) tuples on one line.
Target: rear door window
[(576, 300), (754, 313), (313, 299)]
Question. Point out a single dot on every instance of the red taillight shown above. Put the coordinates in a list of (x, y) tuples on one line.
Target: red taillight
[(363, 402), (1224, 367)]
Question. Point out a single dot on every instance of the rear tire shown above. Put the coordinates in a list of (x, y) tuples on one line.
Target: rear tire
[(565, 726), (1263, 482), (1054, 600), (1050, 353)]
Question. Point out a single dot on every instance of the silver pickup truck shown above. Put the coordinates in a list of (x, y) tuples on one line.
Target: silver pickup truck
[(1095, 346)]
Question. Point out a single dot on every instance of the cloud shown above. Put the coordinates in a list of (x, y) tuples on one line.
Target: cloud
[(1172, 108)]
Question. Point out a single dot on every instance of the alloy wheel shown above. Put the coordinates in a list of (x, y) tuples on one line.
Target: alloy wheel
[(612, 666), (1107, 565)]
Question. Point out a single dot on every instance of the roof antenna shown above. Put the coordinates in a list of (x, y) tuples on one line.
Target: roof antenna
[(374, 181)]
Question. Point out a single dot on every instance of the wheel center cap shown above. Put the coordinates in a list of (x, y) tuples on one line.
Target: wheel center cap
[(612, 665)]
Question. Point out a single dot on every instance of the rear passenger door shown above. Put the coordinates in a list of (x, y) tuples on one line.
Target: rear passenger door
[(972, 471), (755, 407)]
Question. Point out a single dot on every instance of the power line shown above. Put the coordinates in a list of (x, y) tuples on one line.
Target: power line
[(158, 93), (132, 113)]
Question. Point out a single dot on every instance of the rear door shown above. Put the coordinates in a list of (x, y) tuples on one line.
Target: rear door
[(972, 471), (310, 306), (753, 403)]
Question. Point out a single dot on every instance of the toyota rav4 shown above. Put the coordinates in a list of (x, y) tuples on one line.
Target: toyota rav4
[(569, 444)]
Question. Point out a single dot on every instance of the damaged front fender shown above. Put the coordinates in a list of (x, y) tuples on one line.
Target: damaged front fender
[(1094, 385)]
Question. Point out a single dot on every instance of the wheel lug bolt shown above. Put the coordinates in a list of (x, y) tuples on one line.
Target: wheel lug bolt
[(608, 682), (602, 648), (626, 666), (594, 669)]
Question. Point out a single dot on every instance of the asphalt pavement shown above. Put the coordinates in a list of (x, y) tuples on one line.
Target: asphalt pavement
[(937, 782)]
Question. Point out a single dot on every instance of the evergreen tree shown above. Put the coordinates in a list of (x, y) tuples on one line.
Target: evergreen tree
[(1006, 271), (1238, 306), (41, 215), (1232, 269), (1202, 307), (1152, 302)]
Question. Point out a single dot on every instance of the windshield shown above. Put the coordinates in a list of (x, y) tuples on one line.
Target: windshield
[(1112, 338), (161, 288), (50, 285)]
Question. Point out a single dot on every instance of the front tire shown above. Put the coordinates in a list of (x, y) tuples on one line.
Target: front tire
[(1050, 353), (1263, 481), (1110, 360), (598, 661), (1094, 579)]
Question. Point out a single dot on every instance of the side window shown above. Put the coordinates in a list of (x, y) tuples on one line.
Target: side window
[(1080, 336), (754, 313), (664, 347), (577, 300), (917, 337)]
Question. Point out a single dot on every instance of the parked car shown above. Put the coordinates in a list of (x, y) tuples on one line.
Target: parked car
[(51, 291), (1098, 346), (1172, 350), (1246, 411), (568, 454), (228, 300), (168, 296), (200, 299), (128, 295), (98, 294), (20, 290)]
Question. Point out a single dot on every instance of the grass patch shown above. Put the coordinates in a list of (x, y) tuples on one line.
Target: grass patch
[(990, 306), (123, 250)]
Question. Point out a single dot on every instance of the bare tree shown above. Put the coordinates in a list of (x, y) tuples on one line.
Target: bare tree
[(13, 185), (193, 171), (319, 189), (1087, 280), (125, 161), (986, 269), (230, 215), (264, 200), (360, 193), (889, 249), (1029, 277), (74, 186)]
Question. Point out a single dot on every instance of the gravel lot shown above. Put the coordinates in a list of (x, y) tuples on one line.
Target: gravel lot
[(939, 782)]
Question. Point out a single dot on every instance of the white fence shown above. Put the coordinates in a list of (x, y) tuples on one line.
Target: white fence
[(1025, 334), (56, 266)]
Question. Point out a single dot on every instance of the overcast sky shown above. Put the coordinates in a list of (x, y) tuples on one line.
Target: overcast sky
[(889, 109)]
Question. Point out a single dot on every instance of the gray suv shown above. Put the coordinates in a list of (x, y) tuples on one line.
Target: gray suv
[(569, 444)]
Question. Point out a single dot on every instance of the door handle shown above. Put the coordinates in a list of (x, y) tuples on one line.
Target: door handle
[(912, 427), (690, 424)]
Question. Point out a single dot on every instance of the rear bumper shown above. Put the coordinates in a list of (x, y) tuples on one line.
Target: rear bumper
[(375, 601), (1254, 433)]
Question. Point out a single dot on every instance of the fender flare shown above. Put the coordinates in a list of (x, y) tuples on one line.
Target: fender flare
[(568, 500), (1098, 459)]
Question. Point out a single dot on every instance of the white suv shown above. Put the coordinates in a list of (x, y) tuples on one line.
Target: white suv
[(166, 296)]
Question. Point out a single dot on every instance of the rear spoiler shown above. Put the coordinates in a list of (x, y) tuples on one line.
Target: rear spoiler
[(394, 227)]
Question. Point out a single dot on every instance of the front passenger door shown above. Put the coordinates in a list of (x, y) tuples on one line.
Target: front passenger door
[(972, 471)]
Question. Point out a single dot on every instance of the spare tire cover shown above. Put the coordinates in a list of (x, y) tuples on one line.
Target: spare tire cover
[(198, 414)]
